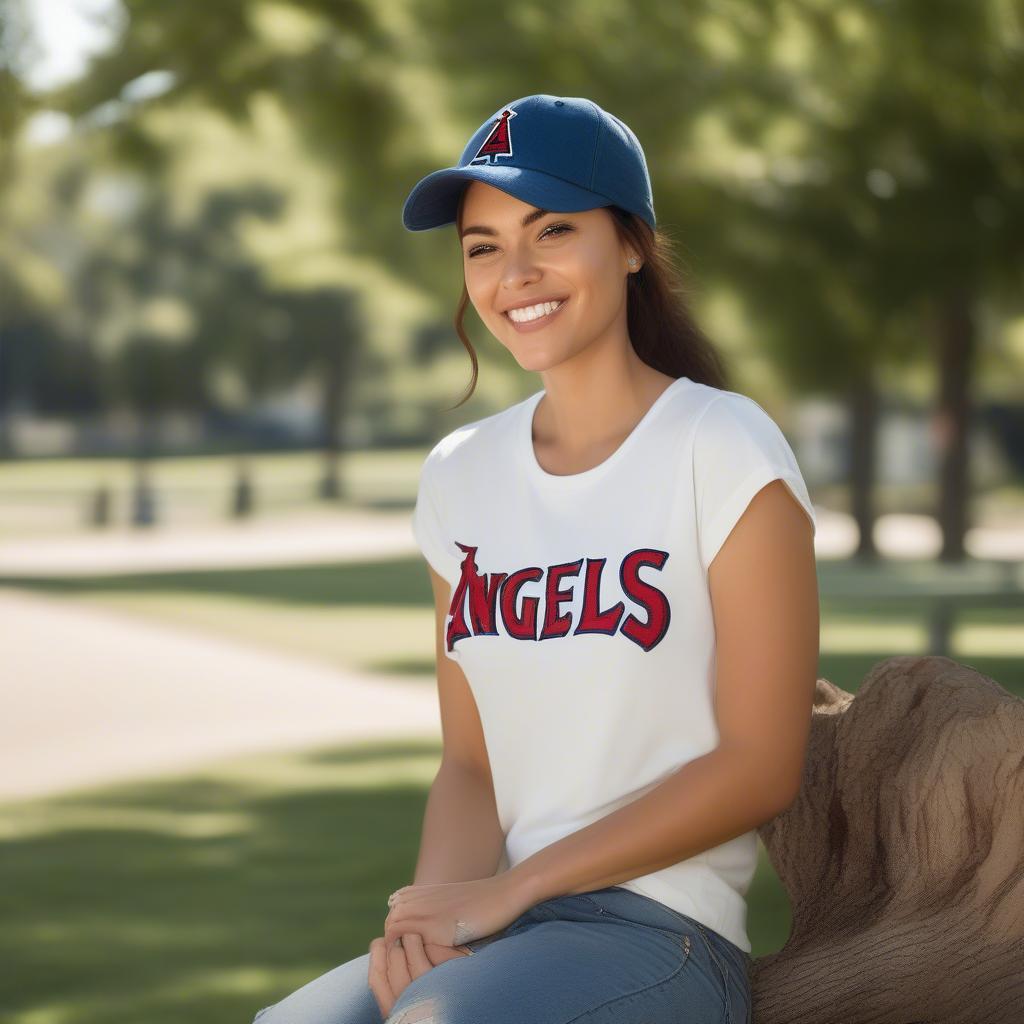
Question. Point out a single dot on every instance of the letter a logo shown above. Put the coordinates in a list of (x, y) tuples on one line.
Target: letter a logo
[(498, 142)]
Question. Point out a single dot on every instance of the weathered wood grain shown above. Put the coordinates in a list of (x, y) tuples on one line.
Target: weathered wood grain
[(903, 855)]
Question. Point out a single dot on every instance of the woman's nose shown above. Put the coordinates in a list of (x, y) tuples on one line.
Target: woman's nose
[(519, 269)]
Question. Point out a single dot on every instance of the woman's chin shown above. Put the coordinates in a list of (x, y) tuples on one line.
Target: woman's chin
[(537, 361)]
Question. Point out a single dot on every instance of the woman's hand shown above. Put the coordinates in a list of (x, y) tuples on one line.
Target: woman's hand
[(394, 965), (449, 913)]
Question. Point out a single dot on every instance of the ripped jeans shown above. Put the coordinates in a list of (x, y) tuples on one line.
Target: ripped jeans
[(610, 956)]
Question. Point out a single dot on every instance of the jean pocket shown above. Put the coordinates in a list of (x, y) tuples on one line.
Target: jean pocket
[(680, 940), (642, 921), (723, 970)]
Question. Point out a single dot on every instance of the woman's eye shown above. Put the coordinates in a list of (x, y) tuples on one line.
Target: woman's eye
[(557, 229)]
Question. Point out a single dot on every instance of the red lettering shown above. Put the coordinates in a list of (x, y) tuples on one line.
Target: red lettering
[(493, 597)]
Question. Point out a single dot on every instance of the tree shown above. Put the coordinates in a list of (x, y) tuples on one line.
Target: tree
[(850, 170)]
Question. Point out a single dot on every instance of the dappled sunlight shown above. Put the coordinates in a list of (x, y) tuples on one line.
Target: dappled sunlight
[(223, 888), (846, 636), (25, 821), (280, 774), (979, 640), (849, 636), (174, 994)]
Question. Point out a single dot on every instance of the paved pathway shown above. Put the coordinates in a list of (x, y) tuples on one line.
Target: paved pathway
[(90, 696), (299, 539), (352, 535)]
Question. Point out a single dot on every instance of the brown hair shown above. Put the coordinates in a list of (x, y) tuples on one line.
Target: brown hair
[(663, 331)]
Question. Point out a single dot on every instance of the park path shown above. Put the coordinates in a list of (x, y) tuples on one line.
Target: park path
[(351, 535), (90, 696), (300, 539)]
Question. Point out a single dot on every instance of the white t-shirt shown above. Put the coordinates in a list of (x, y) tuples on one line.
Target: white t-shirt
[(581, 616)]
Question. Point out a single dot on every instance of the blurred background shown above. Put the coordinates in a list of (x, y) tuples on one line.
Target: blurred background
[(223, 359)]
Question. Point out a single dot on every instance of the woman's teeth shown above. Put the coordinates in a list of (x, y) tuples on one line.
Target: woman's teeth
[(527, 313)]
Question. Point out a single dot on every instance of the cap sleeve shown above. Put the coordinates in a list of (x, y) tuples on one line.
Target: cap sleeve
[(738, 449), (428, 524)]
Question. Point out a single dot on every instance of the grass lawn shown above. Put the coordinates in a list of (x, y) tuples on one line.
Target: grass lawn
[(206, 897)]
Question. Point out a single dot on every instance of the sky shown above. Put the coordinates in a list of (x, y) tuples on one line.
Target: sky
[(67, 33)]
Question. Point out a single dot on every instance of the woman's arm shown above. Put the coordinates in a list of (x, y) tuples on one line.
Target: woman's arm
[(462, 838), (764, 593)]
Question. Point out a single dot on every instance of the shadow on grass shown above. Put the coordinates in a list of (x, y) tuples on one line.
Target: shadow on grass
[(208, 896)]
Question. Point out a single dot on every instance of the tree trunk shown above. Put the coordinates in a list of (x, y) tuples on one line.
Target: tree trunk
[(863, 410), (952, 421), (143, 511), (336, 365)]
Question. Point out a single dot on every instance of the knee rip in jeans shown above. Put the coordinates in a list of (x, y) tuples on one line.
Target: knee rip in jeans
[(420, 1013)]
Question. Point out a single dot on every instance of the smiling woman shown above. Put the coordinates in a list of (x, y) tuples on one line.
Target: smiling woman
[(557, 279), (626, 621), (582, 254)]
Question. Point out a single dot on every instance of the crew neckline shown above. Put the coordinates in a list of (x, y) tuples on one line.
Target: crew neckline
[(536, 471)]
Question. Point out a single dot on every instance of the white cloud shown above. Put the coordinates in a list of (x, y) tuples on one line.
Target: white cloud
[(68, 33)]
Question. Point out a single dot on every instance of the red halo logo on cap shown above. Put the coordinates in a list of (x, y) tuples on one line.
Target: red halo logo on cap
[(498, 141)]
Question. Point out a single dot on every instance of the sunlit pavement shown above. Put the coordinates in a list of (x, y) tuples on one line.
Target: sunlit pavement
[(299, 540), (363, 536), (89, 696)]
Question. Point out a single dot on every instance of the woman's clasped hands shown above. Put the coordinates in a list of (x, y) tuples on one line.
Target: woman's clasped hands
[(393, 966), (432, 921)]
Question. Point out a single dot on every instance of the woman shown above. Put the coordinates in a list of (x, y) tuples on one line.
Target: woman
[(627, 623)]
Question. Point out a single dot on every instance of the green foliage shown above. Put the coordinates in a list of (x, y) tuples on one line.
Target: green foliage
[(840, 166)]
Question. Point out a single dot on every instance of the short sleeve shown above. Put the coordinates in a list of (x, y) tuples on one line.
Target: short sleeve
[(428, 525), (738, 449)]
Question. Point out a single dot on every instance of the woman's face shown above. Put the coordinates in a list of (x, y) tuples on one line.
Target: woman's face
[(575, 257)]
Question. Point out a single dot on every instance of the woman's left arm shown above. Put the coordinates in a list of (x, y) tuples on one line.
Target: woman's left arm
[(764, 594)]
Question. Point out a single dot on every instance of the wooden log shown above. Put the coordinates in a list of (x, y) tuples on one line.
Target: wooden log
[(903, 855)]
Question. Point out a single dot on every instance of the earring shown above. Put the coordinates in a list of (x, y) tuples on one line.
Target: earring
[(632, 261)]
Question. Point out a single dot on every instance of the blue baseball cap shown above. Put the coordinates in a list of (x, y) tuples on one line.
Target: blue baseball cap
[(561, 153)]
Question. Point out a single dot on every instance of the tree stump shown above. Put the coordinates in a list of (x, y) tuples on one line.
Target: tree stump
[(903, 855)]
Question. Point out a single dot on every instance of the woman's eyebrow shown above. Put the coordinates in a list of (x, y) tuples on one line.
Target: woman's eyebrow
[(480, 229)]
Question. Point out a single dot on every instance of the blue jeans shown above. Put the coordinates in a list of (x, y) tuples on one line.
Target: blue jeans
[(610, 956)]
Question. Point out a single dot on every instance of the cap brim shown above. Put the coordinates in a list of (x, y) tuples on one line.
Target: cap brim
[(434, 200)]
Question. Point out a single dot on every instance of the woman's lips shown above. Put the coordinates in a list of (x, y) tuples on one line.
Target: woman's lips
[(539, 322)]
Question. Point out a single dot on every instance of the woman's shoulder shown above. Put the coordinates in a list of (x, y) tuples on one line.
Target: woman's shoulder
[(721, 414), (473, 441)]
